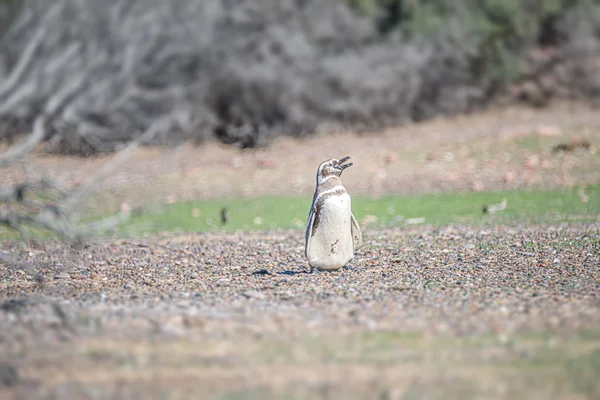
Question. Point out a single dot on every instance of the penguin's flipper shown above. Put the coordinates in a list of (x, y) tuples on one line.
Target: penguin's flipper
[(356, 234), (308, 234)]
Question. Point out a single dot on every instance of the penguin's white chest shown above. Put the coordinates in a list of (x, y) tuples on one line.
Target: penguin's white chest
[(331, 245)]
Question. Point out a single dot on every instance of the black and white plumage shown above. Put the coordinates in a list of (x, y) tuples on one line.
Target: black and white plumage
[(332, 232)]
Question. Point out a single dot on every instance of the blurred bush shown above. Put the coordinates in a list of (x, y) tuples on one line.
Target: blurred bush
[(243, 71), (503, 29)]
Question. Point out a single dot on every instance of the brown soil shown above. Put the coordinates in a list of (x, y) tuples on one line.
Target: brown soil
[(496, 150)]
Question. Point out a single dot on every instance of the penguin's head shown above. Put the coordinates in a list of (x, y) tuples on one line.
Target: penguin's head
[(333, 167)]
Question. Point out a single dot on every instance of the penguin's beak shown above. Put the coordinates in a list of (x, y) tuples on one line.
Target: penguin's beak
[(340, 164)]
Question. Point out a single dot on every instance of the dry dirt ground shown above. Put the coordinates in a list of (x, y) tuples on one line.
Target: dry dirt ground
[(501, 149), (457, 312)]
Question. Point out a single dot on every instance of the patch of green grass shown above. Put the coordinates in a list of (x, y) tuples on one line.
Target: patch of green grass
[(273, 212), (536, 142), (584, 372), (256, 394), (533, 142), (391, 337), (269, 213)]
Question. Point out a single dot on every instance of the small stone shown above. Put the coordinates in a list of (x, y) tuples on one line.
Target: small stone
[(509, 177), (266, 163), (62, 275), (40, 278), (389, 158), (368, 220), (253, 294), (477, 186), (261, 272), (548, 131), (532, 161), (9, 376)]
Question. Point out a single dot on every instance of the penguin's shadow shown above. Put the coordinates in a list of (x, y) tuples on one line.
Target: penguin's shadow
[(316, 271), (264, 272), (292, 273)]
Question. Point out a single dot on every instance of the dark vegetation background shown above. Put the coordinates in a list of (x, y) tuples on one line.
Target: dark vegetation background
[(243, 71)]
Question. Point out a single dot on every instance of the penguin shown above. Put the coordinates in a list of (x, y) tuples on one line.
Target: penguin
[(332, 232)]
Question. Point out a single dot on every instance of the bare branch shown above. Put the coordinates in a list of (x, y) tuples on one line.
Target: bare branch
[(15, 153), (14, 222), (53, 221), (56, 217), (78, 195), (27, 58), (105, 225)]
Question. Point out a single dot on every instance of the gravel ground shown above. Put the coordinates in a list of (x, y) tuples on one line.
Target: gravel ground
[(423, 312)]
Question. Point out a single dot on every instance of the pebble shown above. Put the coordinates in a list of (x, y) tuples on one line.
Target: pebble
[(9, 375), (62, 275), (254, 294)]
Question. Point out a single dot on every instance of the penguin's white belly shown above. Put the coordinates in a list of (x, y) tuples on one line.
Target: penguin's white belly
[(331, 245)]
